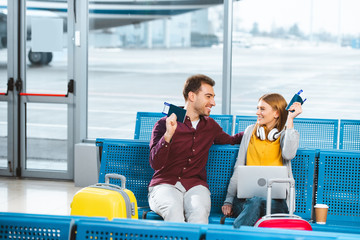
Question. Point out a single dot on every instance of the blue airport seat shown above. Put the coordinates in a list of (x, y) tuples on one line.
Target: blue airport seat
[(349, 134), (145, 122), (225, 121), (236, 234), (339, 186), (254, 233), (54, 227), (314, 133), (241, 122), (33, 226), (131, 159), (197, 226), (317, 133), (303, 168), (92, 229), (336, 228), (99, 142), (220, 167), (278, 233)]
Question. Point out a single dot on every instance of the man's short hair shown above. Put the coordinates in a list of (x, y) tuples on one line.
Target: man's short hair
[(193, 84)]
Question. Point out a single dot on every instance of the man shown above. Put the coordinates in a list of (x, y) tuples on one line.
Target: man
[(178, 153)]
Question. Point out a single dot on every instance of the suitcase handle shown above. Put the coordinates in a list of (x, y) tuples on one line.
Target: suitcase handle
[(281, 180), (292, 193), (115, 176)]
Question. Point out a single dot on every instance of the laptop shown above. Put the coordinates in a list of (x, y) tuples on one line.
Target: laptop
[(252, 181)]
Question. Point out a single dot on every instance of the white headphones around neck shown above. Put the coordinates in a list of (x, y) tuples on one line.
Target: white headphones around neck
[(272, 136)]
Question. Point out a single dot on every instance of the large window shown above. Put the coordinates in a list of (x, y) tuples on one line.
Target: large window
[(278, 46), (138, 66), (287, 45)]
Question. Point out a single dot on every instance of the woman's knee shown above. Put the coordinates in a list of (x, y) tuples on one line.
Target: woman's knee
[(238, 206), (256, 201)]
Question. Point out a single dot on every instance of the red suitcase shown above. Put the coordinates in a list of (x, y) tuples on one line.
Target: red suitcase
[(288, 221)]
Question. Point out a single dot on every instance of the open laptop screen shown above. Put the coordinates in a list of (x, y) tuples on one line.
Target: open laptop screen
[(252, 181)]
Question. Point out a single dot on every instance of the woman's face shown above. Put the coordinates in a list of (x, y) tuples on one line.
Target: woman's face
[(266, 115)]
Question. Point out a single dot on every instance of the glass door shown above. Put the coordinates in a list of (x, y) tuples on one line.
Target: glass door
[(45, 91), (7, 163)]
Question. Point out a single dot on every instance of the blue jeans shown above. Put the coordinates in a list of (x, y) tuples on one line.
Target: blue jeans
[(248, 211)]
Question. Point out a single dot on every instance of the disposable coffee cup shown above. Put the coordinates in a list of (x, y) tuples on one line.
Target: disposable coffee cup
[(321, 213)]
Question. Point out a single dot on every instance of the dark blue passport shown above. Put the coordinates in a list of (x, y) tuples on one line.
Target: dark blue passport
[(179, 112)]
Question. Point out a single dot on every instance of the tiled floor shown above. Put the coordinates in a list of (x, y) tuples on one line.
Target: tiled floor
[(36, 196)]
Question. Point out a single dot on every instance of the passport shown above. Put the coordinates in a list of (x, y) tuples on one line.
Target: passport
[(296, 98), (179, 112)]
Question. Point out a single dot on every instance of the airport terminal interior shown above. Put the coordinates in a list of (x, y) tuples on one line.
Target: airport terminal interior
[(75, 73)]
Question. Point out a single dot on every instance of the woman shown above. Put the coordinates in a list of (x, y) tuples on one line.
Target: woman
[(267, 143)]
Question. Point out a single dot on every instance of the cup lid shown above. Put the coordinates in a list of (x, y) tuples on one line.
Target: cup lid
[(321, 206)]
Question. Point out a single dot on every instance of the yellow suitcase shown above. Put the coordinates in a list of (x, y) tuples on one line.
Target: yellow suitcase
[(105, 200)]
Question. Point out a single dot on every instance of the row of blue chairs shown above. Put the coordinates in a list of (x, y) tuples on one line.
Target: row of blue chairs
[(314, 133), (54, 227), (330, 176)]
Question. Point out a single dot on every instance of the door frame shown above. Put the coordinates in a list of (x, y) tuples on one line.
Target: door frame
[(75, 99), (24, 99), (9, 97)]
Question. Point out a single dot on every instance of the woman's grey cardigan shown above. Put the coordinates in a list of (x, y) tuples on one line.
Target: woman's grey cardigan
[(289, 142)]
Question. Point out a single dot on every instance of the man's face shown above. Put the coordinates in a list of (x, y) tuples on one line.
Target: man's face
[(204, 100)]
